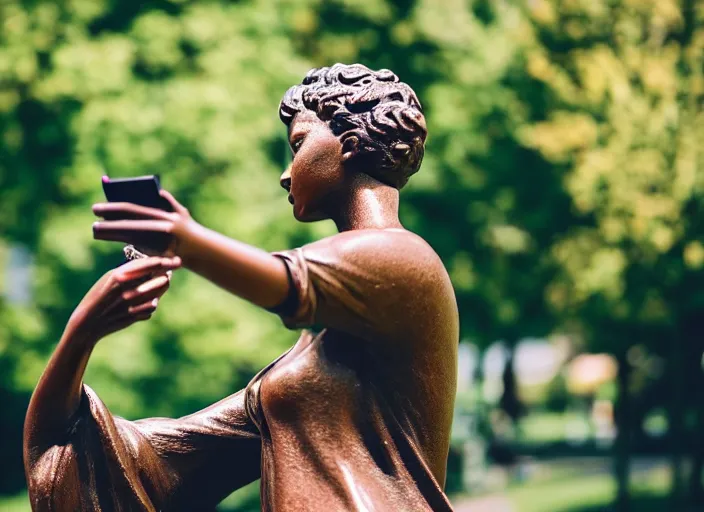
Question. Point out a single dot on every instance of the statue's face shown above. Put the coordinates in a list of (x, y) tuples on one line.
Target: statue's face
[(317, 172)]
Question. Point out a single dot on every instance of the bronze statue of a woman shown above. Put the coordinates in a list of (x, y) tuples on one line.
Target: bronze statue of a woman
[(356, 415)]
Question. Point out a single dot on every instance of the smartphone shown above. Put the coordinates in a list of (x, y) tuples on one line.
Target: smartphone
[(141, 190), (144, 191)]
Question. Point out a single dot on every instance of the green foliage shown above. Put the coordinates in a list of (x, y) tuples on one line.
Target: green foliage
[(562, 183), (623, 84)]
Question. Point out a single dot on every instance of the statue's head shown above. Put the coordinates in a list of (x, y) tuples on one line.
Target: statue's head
[(376, 121)]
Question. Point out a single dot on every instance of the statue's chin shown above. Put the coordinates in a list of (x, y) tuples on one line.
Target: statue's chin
[(302, 215)]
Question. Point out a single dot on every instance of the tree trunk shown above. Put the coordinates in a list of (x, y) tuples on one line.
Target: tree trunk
[(696, 490), (622, 448), (676, 430)]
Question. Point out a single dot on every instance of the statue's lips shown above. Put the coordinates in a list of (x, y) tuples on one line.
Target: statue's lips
[(290, 198)]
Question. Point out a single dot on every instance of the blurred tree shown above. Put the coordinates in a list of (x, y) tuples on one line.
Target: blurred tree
[(623, 115)]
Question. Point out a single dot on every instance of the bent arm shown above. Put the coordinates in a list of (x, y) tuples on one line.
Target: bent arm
[(78, 456), (57, 397)]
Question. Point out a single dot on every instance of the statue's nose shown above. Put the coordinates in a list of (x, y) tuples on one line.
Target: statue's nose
[(286, 180)]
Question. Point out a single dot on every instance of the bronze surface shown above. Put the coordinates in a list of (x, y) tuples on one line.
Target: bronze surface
[(356, 415)]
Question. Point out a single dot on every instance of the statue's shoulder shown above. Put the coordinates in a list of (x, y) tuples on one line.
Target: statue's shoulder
[(398, 249)]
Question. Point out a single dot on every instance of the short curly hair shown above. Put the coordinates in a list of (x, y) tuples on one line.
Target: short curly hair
[(371, 111)]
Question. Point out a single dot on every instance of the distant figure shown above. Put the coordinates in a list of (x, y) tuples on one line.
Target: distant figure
[(501, 450), (355, 417), (510, 402)]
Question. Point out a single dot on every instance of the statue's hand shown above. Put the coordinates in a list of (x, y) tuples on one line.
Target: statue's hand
[(123, 296), (151, 230)]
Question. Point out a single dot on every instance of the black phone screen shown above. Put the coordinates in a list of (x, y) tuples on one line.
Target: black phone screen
[(141, 190)]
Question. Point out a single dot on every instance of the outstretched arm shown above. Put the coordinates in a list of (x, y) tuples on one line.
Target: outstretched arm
[(357, 282), (246, 271)]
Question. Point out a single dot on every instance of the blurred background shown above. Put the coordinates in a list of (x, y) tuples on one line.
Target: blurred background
[(562, 186)]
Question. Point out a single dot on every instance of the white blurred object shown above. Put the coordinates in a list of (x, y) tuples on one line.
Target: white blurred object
[(537, 361), (18, 275), (467, 359)]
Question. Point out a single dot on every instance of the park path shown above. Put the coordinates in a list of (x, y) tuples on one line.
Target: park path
[(484, 504)]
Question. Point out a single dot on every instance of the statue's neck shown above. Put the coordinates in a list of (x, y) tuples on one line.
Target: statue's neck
[(367, 204)]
